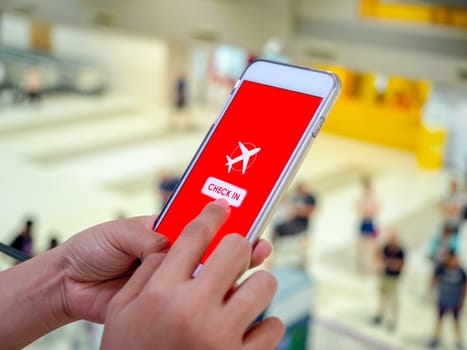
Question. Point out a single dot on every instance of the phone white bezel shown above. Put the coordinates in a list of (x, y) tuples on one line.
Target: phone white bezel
[(284, 76), (325, 85)]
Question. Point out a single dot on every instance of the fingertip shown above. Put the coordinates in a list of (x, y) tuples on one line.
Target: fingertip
[(147, 221), (279, 326), (214, 215), (264, 246), (161, 242), (158, 244), (222, 203), (266, 334), (261, 251)]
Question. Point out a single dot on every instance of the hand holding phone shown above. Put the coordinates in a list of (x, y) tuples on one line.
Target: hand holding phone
[(253, 149), (163, 307)]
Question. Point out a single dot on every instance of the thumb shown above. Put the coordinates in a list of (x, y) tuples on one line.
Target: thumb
[(135, 238)]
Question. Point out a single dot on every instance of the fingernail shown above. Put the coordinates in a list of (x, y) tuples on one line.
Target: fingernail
[(222, 203)]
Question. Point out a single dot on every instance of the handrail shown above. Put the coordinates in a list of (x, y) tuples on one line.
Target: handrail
[(13, 253)]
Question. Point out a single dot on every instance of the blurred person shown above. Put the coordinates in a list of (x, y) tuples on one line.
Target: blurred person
[(53, 242), (33, 85), (450, 281), (181, 102), (24, 240), (166, 185), (293, 232), (368, 206), (391, 258), (120, 214), (180, 93), (124, 274), (452, 206), (442, 244)]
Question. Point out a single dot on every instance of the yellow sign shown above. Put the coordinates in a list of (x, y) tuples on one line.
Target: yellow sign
[(424, 13)]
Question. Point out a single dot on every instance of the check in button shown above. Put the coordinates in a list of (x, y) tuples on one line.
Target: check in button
[(216, 188)]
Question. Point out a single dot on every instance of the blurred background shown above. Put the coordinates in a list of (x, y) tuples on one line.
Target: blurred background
[(103, 104)]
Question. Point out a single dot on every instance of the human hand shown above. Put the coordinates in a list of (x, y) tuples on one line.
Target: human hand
[(101, 259), (163, 307)]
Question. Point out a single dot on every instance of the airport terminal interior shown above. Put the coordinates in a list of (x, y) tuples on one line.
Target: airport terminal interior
[(103, 104)]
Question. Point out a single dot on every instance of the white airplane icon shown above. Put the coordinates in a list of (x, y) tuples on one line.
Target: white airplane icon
[(245, 157)]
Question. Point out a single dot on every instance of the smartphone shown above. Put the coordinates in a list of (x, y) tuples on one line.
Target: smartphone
[(253, 149)]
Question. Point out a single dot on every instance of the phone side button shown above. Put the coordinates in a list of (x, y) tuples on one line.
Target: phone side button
[(318, 127)]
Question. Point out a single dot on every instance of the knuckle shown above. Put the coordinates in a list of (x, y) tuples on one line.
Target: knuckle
[(159, 292), (261, 286), (166, 301), (181, 321), (269, 282), (237, 248), (219, 338), (239, 244)]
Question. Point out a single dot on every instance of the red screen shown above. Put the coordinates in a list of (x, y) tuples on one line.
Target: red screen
[(258, 132)]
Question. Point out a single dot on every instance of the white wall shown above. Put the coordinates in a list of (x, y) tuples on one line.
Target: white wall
[(136, 66), (345, 10), (14, 31), (247, 23), (238, 22)]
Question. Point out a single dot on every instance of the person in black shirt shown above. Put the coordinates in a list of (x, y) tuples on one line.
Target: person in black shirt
[(303, 206), (291, 235), (368, 206), (23, 241), (451, 283), (392, 262)]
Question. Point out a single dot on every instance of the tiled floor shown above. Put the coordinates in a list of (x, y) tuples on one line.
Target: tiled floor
[(79, 161)]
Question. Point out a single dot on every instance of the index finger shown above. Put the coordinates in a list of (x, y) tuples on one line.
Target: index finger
[(186, 253)]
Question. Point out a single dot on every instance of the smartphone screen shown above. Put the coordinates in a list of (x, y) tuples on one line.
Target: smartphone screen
[(243, 159)]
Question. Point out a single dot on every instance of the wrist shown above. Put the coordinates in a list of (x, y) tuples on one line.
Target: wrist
[(33, 299), (57, 298)]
